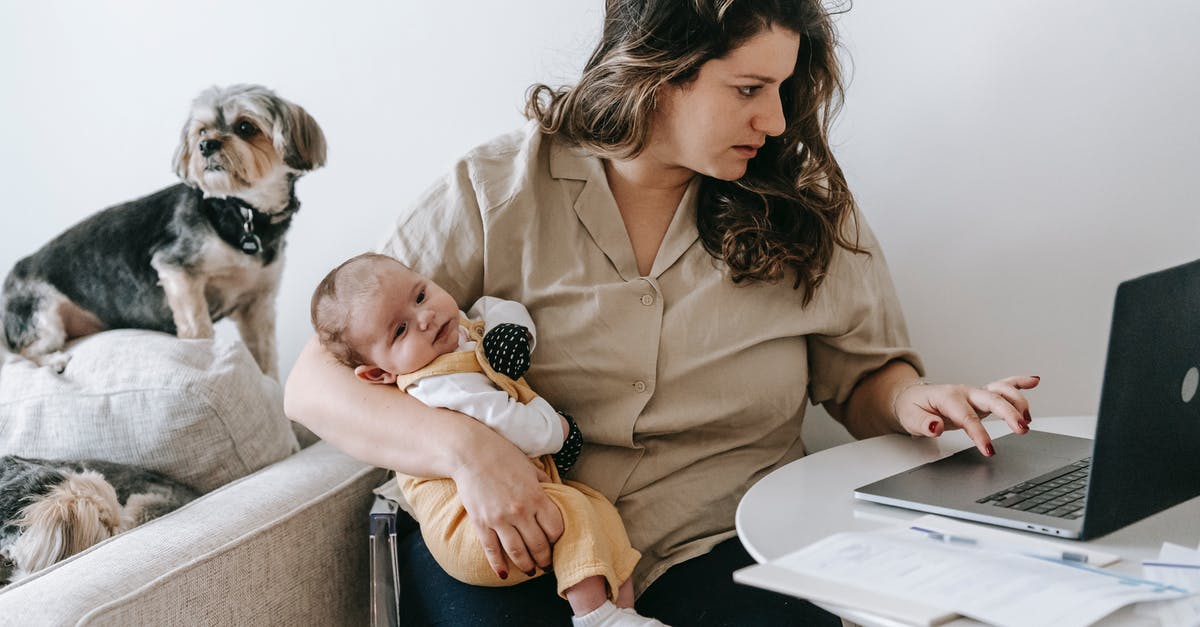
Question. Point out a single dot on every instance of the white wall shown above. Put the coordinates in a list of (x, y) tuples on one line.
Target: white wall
[(1017, 158)]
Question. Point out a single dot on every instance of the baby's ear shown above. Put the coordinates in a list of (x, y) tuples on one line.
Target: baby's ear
[(374, 374)]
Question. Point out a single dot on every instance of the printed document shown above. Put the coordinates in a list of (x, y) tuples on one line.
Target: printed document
[(995, 586), (1178, 566)]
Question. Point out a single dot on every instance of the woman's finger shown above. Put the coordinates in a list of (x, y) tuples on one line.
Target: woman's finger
[(515, 549), (912, 407), (1014, 398), (1023, 382), (955, 410), (551, 522), (986, 402), (934, 425), (492, 551), (922, 422), (536, 543)]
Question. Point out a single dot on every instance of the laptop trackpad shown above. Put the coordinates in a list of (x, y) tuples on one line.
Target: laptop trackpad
[(965, 476)]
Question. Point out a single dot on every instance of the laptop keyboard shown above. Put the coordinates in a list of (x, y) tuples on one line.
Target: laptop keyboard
[(1059, 493)]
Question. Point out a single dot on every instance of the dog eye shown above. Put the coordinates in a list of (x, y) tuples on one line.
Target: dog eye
[(421, 297), (245, 129), (400, 329)]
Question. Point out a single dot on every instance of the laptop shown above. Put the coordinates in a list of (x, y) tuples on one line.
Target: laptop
[(1146, 453)]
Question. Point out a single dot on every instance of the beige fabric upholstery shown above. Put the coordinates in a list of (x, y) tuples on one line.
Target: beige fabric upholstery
[(199, 411), (284, 546)]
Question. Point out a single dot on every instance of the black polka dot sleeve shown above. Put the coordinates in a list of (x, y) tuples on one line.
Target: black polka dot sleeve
[(506, 347), (566, 457)]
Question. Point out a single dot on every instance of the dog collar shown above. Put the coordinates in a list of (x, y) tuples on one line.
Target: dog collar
[(250, 242)]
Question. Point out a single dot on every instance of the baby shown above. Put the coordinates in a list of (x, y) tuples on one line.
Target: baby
[(395, 327)]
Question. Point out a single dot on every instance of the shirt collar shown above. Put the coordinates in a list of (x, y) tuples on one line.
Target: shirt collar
[(573, 162), (598, 212)]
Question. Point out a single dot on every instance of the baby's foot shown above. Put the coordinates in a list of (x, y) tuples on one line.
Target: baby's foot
[(609, 615)]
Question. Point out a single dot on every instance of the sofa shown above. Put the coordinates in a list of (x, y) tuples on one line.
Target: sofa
[(279, 535)]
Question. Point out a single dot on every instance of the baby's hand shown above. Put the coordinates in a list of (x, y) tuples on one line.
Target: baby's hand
[(506, 347), (566, 456)]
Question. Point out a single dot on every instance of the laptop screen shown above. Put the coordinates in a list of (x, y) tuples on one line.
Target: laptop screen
[(1146, 456)]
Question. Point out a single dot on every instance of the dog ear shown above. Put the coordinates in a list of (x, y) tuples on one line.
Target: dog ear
[(183, 153), (74, 515), (299, 139)]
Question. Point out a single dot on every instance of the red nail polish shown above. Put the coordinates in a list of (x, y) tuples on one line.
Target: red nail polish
[(530, 573), (933, 428), (990, 451), (503, 574)]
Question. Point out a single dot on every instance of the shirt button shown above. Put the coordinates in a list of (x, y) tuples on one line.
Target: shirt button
[(640, 386), (647, 300)]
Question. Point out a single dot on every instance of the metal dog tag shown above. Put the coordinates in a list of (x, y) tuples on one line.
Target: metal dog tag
[(251, 244)]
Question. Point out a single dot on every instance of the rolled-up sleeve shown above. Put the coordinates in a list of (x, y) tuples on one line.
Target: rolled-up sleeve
[(868, 328)]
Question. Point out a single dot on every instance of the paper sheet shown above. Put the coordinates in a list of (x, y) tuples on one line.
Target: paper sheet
[(772, 576), (1004, 589), (1178, 566)]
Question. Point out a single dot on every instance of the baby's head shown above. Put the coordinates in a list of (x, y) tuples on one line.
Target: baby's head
[(377, 316)]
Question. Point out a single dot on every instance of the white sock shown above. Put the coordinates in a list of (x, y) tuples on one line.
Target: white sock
[(609, 615)]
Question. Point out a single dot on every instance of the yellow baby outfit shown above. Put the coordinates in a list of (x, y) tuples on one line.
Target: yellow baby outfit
[(594, 541)]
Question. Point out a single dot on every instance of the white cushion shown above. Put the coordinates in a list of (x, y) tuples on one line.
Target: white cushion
[(199, 411)]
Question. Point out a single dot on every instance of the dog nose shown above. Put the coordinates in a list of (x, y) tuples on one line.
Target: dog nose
[(209, 146)]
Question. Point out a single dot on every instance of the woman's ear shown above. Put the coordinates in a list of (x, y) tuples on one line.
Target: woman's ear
[(374, 374)]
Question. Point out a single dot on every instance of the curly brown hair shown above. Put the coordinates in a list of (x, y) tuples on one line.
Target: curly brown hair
[(789, 209)]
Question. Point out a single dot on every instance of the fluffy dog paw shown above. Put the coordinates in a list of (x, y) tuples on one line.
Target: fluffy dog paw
[(56, 361)]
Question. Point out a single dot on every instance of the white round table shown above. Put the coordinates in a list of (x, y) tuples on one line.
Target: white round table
[(812, 498)]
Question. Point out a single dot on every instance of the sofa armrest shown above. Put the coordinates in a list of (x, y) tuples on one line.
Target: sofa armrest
[(284, 545)]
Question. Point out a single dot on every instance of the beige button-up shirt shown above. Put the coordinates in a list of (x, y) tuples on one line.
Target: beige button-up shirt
[(687, 388)]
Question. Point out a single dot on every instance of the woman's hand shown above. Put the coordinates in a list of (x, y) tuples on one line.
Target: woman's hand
[(514, 519), (497, 485), (929, 410)]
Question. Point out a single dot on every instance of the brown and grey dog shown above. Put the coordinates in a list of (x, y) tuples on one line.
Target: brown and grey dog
[(51, 510), (186, 256)]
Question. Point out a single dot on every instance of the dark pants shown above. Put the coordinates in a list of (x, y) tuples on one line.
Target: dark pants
[(698, 592)]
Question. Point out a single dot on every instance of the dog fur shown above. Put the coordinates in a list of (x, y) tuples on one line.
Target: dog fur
[(51, 510), (188, 255)]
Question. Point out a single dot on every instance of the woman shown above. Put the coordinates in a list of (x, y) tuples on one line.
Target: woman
[(679, 229)]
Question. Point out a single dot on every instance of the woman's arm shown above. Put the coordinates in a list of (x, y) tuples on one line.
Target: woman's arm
[(372, 423), (893, 399), (381, 426)]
